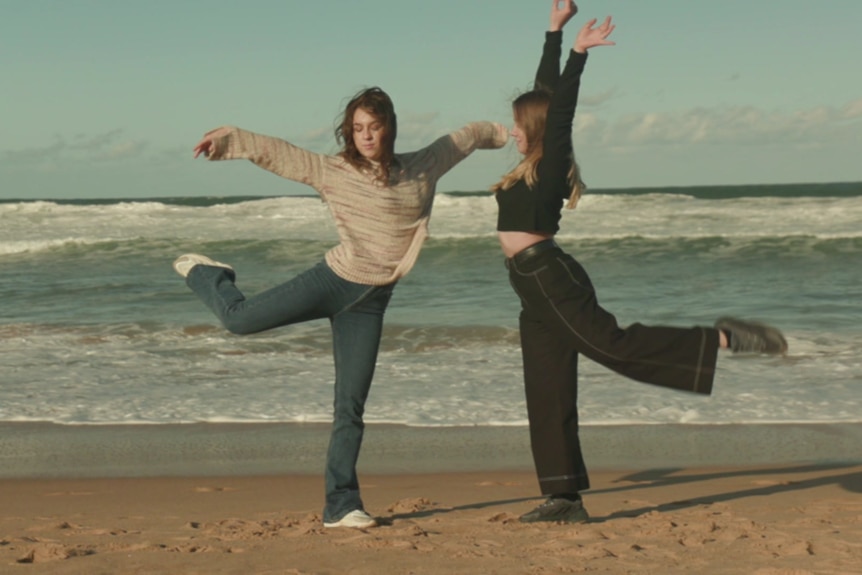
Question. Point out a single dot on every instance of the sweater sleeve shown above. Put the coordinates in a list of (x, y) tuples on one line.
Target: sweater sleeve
[(272, 154), (548, 73), (448, 150), (558, 152)]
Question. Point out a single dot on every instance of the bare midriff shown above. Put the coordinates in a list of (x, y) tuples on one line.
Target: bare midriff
[(514, 242)]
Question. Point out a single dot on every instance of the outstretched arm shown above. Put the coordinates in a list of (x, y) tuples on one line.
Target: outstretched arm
[(273, 154), (548, 73), (445, 152)]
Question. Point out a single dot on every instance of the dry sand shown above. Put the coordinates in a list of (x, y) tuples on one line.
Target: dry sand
[(788, 518), (768, 521)]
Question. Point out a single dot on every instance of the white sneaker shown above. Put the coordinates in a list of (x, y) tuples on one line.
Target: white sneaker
[(184, 264), (357, 518)]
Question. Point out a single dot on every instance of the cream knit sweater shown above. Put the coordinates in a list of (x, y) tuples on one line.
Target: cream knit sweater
[(381, 228)]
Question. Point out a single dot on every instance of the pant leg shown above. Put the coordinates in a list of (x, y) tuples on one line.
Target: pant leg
[(356, 316), (560, 292), (307, 296), (356, 333), (551, 386)]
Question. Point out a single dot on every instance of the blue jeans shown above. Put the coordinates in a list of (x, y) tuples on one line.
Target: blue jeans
[(355, 312)]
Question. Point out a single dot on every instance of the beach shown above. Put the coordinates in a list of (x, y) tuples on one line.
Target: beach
[(149, 428), (247, 499), (139, 437)]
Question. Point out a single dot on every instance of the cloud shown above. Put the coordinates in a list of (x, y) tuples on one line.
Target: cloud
[(414, 131), (97, 142), (170, 155), (598, 99), (852, 109), (732, 125), (316, 139), (82, 148), (121, 151), (418, 129), (30, 156)]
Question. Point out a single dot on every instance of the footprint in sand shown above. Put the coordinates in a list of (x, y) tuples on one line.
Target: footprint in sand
[(45, 552), (411, 505)]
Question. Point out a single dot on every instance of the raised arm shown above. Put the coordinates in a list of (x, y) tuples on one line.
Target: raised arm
[(548, 73), (561, 112)]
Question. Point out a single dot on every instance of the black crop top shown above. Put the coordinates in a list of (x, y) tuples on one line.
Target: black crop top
[(520, 208)]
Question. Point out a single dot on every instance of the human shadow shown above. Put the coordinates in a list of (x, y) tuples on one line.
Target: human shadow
[(648, 479), (441, 510), (666, 477)]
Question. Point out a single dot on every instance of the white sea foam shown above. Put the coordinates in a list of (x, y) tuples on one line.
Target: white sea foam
[(97, 328), (166, 376), (598, 217)]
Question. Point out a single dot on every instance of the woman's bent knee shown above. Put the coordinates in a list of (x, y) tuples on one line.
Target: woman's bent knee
[(238, 327)]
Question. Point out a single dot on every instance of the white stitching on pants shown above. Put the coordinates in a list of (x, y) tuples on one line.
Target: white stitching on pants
[(559, 478), (598, 350)]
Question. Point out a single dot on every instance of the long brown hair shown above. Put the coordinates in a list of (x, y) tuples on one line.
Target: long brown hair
[(377, 103), (530, 110)]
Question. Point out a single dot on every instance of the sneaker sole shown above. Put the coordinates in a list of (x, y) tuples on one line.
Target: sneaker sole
[(775, 342), (366, 525), (571, 520), (183, 265)]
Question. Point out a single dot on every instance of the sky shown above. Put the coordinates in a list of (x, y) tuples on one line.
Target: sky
[(107, 98)]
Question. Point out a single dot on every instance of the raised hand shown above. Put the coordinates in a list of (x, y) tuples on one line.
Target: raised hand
[(588, 36), (561, 12)]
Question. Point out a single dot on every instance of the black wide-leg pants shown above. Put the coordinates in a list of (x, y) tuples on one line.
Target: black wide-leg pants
[(560, 319)]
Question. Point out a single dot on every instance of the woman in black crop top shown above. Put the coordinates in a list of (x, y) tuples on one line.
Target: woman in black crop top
[(560, 315)]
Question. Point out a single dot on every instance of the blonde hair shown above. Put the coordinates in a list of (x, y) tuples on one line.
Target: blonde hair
[(531, 111)]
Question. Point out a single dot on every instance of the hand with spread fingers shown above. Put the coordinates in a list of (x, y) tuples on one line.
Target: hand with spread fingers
[(590, 36)]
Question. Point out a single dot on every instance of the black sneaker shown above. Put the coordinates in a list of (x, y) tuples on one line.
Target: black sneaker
[(557, 509), (752, 337)]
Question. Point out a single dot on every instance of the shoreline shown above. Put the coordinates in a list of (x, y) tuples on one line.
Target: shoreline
[(847, 189), (48, 450)]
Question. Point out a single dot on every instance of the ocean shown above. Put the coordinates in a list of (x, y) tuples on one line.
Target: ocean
[(97, 328)]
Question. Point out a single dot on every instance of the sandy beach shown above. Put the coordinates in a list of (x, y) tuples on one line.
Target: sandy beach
[(797, 516)]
